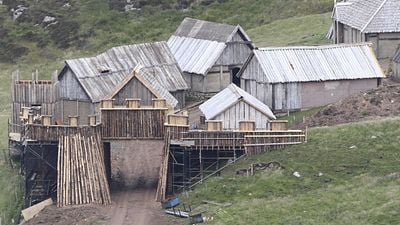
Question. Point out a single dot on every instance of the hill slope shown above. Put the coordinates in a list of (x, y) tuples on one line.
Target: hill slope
[(348, 175)]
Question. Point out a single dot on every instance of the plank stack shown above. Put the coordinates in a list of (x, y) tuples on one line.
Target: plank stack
[(81, 171)]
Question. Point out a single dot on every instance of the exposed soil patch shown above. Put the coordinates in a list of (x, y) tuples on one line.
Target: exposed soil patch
[(129, 207), (381, 102)]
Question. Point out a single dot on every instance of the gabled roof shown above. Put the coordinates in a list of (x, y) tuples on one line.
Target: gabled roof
[(100, 75), (149, 81), (229, 97), (316, 63), (207, 30), (198, 44), (370, 16), (195, 55)]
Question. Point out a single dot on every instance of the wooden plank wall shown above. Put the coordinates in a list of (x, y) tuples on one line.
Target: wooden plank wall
[(25, 93), (141, 123), (52, 133)]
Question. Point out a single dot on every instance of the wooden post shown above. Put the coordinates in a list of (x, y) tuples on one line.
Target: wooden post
[(214, 125), (279, 124), (46, 120), (30, 118), (107, 103), (133, 103), (73, 121), (247, 125), (159, 103), (25, 112), (92, 120)]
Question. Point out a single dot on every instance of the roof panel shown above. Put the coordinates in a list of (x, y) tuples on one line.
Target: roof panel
[(318, 63), (227, 98), (100, 74), (195, 55)]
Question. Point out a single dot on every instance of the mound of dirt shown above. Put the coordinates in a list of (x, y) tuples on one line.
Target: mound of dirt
[(381, 102)]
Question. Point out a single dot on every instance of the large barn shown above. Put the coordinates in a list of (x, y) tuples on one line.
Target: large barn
[(374, 21), (209, 54), (293, 78), (233, 105), (84, 82)]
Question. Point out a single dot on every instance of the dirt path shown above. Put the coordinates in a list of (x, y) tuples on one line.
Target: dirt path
[(129, 207)]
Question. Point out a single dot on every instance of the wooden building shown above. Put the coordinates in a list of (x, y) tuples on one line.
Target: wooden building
[(84, 82), (293, 78), (233, 105), (144, 87), (374, 21), (396, 65), (36, 96), (209, 53)]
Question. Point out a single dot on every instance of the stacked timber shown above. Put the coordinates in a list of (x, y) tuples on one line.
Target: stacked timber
[(81, 170), (163, 174)]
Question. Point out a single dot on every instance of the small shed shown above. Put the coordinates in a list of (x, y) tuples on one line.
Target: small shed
[(293, 78), (143, 86), (84, 82), (374, 21), (233, 105), (396, 65), (210, 54)]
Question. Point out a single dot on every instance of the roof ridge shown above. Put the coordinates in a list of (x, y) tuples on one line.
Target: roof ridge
[(373, 16), (329, 46)]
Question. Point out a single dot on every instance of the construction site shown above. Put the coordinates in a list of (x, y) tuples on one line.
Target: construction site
[(127, 147)]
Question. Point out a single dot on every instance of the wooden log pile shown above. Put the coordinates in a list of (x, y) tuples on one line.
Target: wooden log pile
[(81, 170), (163, 174)]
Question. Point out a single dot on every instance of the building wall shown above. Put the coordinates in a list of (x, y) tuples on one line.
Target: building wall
[(241, 111), (384, 44), (396, 71), (135, 163), (180, 96), (134, 89), (314, 94), (66, 108), (69, 87), (235, 53), (217, 79)]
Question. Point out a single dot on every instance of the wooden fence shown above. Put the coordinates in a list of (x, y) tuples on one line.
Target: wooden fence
[(52, 133), (126, 123)]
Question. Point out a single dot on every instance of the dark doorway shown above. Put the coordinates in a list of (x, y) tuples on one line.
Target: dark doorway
[(235, 79), (107, 160)]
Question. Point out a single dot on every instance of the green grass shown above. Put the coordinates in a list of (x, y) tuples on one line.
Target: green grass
[(359, 185), (304, 30), (101, 28), (295, 118)]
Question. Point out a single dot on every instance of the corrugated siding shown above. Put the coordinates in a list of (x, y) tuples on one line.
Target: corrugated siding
[(239, 112), (228, 97), (118, 62), (195, 55), (304, 64)]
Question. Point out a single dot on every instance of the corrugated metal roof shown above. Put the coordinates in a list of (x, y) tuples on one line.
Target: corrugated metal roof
[(370, 16), (227, 98), (99, 75), (150, 82), (317, 63), (195, 55), (205, 30)]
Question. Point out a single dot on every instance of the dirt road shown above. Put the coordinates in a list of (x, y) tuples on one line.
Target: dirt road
[(129, 207)]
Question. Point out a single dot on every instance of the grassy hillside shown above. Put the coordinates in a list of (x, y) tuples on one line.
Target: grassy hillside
[(359, 181), (87, 27)]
